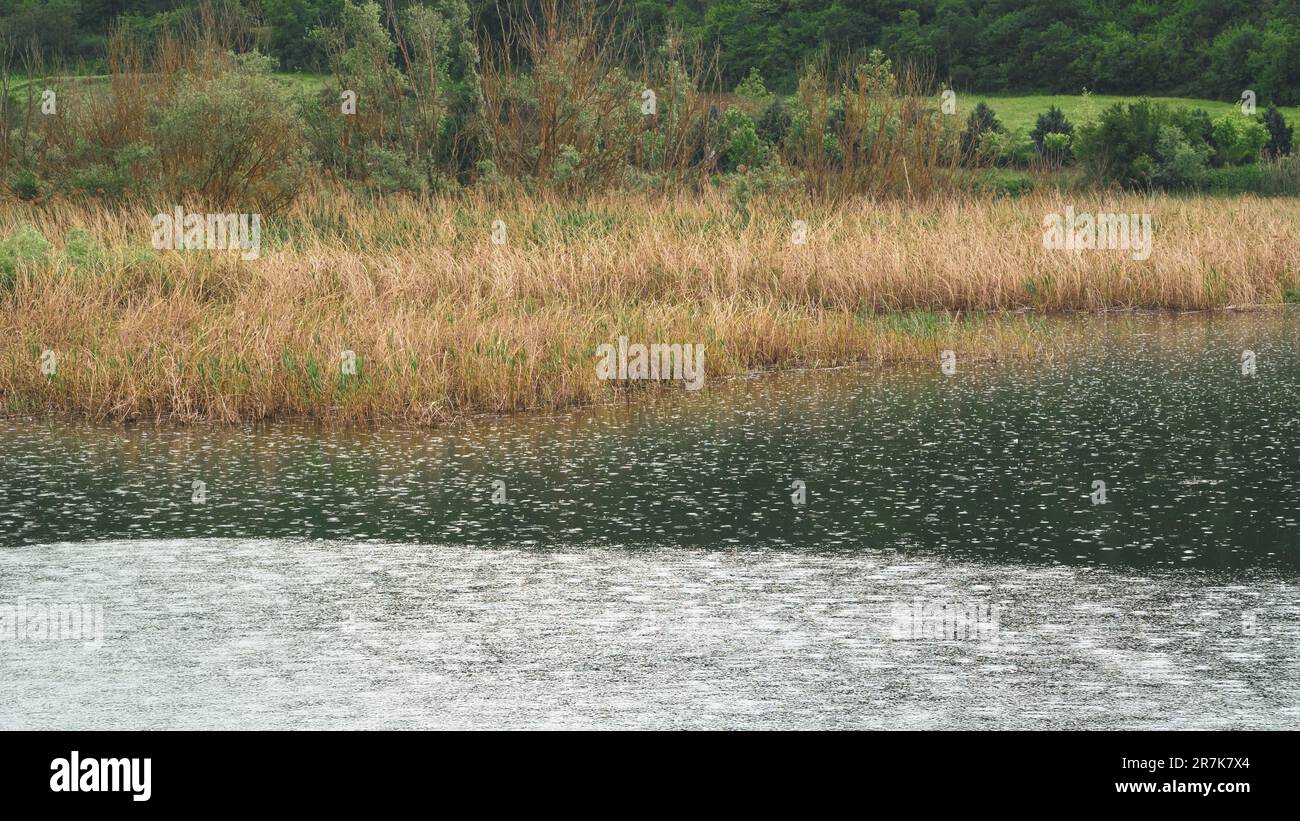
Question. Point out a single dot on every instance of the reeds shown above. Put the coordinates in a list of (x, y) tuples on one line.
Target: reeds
[(443, 322)]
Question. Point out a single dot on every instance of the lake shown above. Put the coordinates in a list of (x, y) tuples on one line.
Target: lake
[(1102, 538)]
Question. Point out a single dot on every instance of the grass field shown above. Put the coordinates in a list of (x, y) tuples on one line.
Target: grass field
[(1019, 111), (311, 82)]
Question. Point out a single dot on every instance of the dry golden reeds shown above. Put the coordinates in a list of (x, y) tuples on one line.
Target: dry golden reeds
[(443, 322)]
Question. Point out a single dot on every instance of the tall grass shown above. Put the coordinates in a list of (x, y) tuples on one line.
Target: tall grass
[(443, 322)]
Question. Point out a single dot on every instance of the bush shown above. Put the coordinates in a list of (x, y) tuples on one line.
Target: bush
[(1195, 123), (1178, 162), (235, 139), (1005, 148), (83, 250), (1234, 179), (981, 121), (208, 123), (1143, 144), (775, 122), (743, 146), (1237, 141), (413, 131), (1053, 121), (27, 248), (25, 185), (1055, 148), (1279, 133), (752, 94), (1052, 136), (999, 182)]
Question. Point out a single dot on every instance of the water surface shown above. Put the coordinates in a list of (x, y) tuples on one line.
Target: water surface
[(648, 566)]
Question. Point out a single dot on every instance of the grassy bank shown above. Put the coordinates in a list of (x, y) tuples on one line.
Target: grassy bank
[(444, 323), (1022, 110)]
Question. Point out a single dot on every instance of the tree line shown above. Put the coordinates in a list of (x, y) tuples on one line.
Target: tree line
[(1202, 48)]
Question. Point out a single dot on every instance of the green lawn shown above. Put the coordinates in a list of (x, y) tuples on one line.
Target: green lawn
[(1021, 110), (311, 82)]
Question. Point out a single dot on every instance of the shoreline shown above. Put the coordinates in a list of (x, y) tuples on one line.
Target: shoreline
[(649, 394)]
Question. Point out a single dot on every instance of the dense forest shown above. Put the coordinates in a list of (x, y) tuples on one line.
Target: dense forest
[(1204, 48)]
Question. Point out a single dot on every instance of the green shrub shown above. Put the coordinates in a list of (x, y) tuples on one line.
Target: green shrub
[(1178, 162), (415, 131), (1234, 179), (981, 121), (27, 248), (83, 250), (1143, 144), (775, 122), (234, 138), (1237, 141), (1005, 148), (25, 184), (99, 180), (752, 95), (1195, 123), (1051, 122), (1119, 145), (998, 182), (1055, 147), (1279, 133), (740, 138)]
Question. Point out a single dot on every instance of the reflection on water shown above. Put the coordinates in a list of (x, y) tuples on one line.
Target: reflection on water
[(226, 634), (649, 568)]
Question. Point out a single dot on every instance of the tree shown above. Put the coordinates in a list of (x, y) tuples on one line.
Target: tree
[(981, 120), (290, 21), (1051, 122), (1279, 133)]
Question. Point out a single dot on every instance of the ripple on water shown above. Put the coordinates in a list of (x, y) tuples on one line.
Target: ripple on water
[(235, 633)]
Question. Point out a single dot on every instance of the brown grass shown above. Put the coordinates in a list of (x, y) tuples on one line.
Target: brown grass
[(444, 323)]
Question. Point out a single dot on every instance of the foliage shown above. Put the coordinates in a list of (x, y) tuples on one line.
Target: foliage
[(1203, 48), (743, 148), (233, 139), (1144, 144), (775, 123), (25, 248), (1178, 161), (558, 97), (412, 130), (981, 121), (1052, 136), (215, 124), (1237, 141), (1279, 133)]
